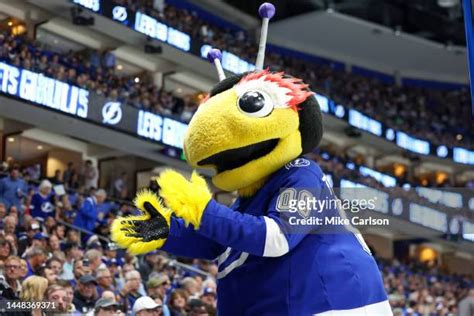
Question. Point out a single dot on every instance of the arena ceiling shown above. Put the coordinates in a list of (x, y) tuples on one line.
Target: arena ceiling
[(437, 20)]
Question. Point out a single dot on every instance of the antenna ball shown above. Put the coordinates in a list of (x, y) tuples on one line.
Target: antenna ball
[(266, 10), (214, 54)]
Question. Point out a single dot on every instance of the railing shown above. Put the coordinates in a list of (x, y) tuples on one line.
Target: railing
[(174, 262)]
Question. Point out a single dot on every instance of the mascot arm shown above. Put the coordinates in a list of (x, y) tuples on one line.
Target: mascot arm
[(266, 236), (257, 235), (156, 228), (183, 241)]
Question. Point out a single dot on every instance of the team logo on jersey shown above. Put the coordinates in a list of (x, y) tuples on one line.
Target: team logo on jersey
[(297, 163), (47, 207)]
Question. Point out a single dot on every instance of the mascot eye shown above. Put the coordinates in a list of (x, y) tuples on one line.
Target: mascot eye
[(255, 104)]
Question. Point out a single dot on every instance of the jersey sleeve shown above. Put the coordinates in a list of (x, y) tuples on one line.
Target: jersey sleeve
[(269, 235), (185, 242)]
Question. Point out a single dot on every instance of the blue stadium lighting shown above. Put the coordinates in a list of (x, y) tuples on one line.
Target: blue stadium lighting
[(153, 28), (468, 230), (397, 207), (412, 144), (230, 62), (386, 180), (340, 111), (93, 5), (365, 123), (454, 226), (42, 90), (390, 134), (450, 199), (463, 155), (161, 129), (471, 204), (428, 217), (442, 151), (323, 102)]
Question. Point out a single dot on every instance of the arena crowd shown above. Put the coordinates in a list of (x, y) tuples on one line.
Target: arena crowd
[(54, 247), (441, 116)]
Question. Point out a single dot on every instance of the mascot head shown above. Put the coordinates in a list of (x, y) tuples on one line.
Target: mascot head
[(252, 124)]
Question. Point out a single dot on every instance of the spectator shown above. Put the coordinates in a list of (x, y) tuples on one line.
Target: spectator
[(129, 292), (13, 189), (79, 270), (197, 307), (13, 274), (9, 225), (5, 249), (54, 246), (106, 307), (3, 210), (158, 286), (108, 295), (33, 290), (177, 302), (191, 287), (39, 241), (48, 274), (72, 236), (36, 258), (69, 295), (85, 295), (57, 178), (89, 175), (104, 281), (146, 306), (41, 204), (23, 269), (209, 296), (57, 295), (147, 264), (87, 215), (94, 259), (59, 230), (26, 239), (55, 264), (466, 305), (120, 187), (108, 59), (68, 176), (72, 253)]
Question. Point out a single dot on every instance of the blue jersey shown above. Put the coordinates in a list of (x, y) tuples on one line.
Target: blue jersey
[(268, 265), (41, 206)]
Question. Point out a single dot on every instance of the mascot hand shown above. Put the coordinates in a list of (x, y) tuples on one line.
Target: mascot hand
[(146, 232), (187, 199)]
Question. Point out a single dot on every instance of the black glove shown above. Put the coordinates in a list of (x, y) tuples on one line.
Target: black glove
[(148, 230)]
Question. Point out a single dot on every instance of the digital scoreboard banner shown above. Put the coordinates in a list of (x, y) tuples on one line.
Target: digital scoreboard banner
[(44, 91), (399, 203), (52, 94)]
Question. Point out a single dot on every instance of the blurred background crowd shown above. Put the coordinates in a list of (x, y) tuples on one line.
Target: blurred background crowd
[(426, 113), (54, 247)]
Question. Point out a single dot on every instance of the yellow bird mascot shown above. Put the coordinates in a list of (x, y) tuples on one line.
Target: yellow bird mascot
[(274, 257)]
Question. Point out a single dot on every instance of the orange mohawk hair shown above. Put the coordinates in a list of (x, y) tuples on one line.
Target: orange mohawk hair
[(299, 91)]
